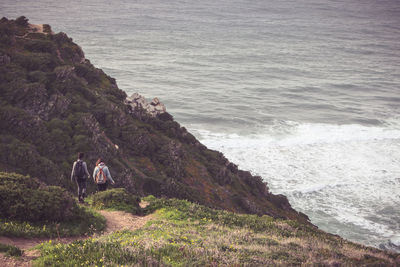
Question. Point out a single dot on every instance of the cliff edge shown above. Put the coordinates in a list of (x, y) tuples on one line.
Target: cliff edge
[(54, 103)]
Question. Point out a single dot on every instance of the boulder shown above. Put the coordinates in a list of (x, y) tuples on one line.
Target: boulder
[(138, 104)]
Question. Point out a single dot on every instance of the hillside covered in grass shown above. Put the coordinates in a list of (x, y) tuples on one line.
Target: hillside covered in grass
[(186, 234), (55, 103)]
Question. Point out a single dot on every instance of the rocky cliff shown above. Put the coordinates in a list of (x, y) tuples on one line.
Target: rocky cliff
[(54, 103)]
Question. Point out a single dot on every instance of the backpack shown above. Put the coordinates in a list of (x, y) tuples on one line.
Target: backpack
[(101, 177), (79, 170)]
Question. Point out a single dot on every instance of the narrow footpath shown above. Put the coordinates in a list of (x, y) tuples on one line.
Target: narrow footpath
[(116, 221)]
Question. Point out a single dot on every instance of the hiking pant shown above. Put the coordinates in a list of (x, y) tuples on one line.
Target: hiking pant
[(81, 188), (102, 187)]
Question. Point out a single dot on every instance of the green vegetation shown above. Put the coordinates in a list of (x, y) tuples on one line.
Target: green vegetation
[(182, 209), (32, 209), (116, 199), (90, 222), (186, 234), (55, 103), (26, 199), (10, 250)]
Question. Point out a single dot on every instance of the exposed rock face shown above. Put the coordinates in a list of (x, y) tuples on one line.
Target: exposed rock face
[(39, 103), (103, 144), (64, 72), (40, 28), (175, 159), (139, 104)]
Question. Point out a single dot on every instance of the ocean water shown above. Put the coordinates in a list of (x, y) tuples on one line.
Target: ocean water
[(304, 93)]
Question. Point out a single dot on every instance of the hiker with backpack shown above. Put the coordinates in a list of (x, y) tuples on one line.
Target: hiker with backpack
[(79, 175), (102, 176)]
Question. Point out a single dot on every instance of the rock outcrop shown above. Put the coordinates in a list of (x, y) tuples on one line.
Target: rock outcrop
[(138, 104)]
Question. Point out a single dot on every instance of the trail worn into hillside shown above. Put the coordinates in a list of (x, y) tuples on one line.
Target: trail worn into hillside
[(116, 221)]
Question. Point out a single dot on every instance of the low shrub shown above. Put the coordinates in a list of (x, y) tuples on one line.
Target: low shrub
[(26, 199), (35, 61), (10, 250), (29, 208), (37, 76), (85, 71), (46, 28), (22, 21), (89, 223), (43, 46), (6, 34), (116, 199)]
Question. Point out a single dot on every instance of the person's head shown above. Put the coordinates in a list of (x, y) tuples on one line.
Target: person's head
[(80, 155), (99, 161)]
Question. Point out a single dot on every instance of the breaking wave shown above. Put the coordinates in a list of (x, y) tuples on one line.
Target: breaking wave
[(346, 178)]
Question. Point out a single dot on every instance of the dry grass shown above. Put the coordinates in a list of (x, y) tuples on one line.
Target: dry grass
[(184, 234)]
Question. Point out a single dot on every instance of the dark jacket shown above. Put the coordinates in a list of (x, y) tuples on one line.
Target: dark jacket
[(73, 170)]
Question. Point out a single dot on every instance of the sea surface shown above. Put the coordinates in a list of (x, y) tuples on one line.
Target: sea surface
[(304, 93)]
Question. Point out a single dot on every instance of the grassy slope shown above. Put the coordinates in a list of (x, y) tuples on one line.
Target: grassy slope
[(187, 234)]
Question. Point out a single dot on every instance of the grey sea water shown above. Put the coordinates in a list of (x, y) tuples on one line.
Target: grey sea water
[(304, 93)]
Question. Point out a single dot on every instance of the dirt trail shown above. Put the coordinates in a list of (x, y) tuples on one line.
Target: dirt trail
[(116, 220)]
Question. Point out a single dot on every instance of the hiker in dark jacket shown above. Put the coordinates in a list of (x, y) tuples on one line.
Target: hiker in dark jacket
[(102, 176), (80, 174)]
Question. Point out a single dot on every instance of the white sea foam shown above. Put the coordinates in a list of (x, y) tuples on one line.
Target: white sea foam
[(395, 241), (345, 177)]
